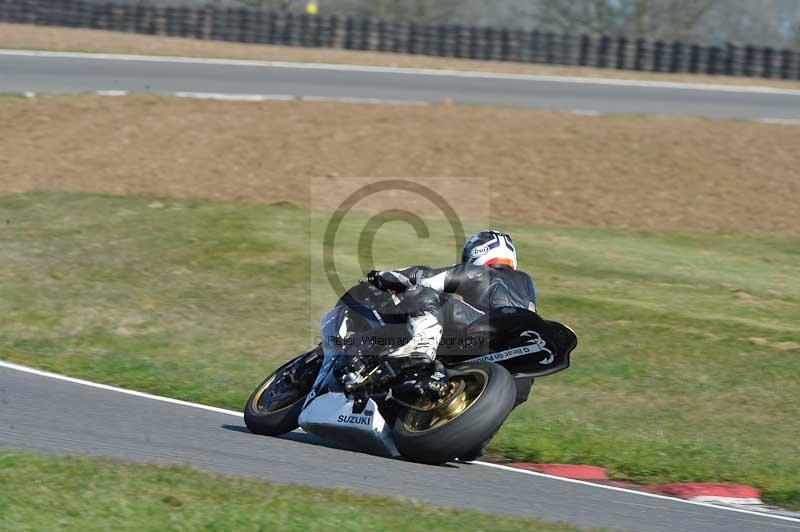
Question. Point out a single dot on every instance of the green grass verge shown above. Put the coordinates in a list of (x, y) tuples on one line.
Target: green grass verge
[(41, 492), (687, 368)]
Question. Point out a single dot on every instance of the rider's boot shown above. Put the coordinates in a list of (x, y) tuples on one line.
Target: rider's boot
[(426, 332)]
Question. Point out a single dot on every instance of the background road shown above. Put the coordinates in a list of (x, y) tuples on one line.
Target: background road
[(50, 415), (60, 73)]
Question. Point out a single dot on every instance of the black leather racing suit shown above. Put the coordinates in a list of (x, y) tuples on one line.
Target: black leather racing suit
[(482, 288)]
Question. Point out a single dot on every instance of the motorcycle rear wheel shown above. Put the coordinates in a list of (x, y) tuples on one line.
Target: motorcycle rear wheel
[(464, 423), (274, 408)]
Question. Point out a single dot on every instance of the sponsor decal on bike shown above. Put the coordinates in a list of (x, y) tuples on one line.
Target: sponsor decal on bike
[(535, 338), (353, 420), (502, 355), (535, 344)]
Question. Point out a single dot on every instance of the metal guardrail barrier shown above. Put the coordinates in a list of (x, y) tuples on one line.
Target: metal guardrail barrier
[(249, 25)]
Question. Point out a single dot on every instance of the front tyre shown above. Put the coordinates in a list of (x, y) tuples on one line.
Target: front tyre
[(274, 407), (465, 422)]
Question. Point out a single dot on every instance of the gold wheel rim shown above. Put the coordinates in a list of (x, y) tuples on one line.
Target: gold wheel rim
[(424, 421), (256, 403)]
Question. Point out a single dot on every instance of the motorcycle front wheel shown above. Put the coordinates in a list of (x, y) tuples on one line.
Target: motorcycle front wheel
[(274, 407), (484, 395)]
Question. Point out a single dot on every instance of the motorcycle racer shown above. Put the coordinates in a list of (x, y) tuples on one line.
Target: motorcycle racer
[(419, 395), (487, 278)]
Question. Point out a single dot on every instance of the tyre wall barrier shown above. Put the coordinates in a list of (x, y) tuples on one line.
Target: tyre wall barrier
[(250, 25)]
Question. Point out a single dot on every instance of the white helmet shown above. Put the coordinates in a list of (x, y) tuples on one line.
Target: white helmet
[(489, 248)]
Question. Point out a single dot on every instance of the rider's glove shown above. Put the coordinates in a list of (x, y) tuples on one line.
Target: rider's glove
[(394, 281)]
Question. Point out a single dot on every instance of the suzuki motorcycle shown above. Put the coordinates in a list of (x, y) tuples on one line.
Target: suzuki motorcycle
[(349, 391)]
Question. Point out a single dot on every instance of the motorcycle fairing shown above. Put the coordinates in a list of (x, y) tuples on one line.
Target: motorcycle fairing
[(518, 339), (330, 416), (328, 413)]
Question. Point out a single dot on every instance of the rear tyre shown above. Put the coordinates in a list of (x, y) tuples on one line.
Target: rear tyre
[(274, 407), (523, 388), (476, 453), (464, 426)]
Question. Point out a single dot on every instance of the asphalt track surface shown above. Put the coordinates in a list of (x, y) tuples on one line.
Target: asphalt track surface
[(55, 72), (42, 413)]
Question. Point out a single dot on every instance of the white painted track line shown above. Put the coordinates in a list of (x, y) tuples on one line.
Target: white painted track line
[(781, 121), (642, 493), (586, 112), (237, 97), (112, 93), (233, 97), (56, 376), (47, 374), (744, 89), (352, 99)]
